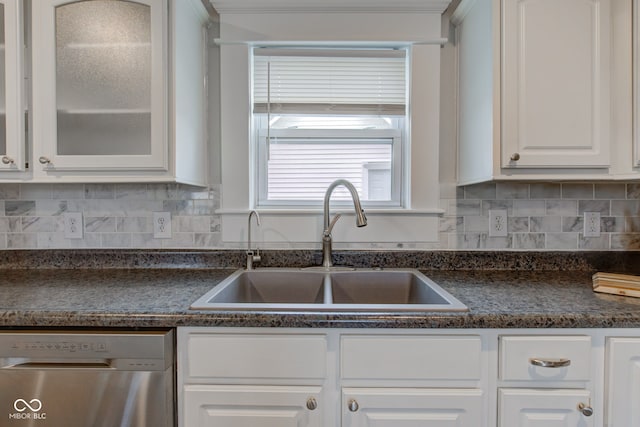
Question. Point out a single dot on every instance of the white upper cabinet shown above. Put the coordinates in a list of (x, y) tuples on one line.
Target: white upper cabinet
[(99, 84), (534, 95), (12, 100), (105, 90), (556, 60)]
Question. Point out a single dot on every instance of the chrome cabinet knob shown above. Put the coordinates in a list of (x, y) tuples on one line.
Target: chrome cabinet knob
[(44, 160), (515, 157), (586, 410), (7, 160), (353, 405), (312, 404)]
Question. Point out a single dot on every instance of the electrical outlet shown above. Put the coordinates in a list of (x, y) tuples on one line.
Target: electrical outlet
[(73, 226), (498, 223), (592, 224), (162, 225)]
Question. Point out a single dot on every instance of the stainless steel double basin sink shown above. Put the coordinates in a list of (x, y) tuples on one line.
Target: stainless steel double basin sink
[(335, 289)]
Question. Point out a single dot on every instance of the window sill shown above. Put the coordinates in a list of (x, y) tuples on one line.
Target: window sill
[(342, 209), (296, 227)]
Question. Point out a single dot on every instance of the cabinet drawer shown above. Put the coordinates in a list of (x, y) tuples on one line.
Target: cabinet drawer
[(411, 357), (256, 356), (568, 356)]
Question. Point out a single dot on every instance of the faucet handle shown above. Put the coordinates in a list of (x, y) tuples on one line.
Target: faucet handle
[(253, 257), (335, 219)]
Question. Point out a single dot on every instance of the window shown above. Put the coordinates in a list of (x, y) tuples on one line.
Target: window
[(325, 114)]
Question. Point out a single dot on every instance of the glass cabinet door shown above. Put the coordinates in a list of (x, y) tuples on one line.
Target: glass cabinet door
[(12, 130), (100, 84)]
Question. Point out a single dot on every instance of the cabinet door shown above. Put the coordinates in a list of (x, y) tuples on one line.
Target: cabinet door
[(252, 406), (99, 85), (543, 408), (12, 106), (623, 379), (556, 83), (404, 407)]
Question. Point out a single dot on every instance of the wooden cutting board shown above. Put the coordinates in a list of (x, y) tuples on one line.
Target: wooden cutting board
[(617, 284)]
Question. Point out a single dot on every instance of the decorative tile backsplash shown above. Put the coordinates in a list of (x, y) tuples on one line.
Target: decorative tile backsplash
[(541, 216), (115, 216)]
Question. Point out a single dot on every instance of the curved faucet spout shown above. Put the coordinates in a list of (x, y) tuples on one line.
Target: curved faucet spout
[(361, 219)]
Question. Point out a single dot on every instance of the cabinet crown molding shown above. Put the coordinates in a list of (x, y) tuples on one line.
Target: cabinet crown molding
[(330, 6)]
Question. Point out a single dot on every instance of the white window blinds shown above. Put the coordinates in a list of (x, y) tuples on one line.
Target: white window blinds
[(331, 81)]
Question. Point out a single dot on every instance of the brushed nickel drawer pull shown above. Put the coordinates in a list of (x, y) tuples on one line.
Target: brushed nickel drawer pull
[(550, 363)]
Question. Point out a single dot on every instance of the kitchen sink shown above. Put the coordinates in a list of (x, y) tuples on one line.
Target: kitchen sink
[(320, 289)]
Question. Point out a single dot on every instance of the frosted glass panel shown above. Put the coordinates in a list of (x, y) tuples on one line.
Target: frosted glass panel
[(103, 78), (3, 94)]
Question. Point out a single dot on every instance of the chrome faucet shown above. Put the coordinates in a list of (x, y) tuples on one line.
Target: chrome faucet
[(361, 219), (251, 255)]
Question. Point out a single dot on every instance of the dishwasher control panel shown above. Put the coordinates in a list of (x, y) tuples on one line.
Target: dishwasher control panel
[(133, 350), (61, 346)]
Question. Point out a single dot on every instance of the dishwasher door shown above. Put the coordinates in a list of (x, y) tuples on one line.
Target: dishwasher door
[(87, 380)]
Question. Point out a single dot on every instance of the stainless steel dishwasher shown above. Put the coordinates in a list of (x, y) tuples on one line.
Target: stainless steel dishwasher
[(87, 379)]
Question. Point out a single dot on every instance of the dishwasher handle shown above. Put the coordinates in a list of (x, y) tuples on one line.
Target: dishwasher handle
[(94, 364), (61, 365)]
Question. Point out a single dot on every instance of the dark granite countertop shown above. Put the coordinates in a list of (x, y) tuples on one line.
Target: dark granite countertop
[(160, 297)]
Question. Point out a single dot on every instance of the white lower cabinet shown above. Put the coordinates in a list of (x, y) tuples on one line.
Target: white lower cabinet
[(252, 406), (406, 380), (543, 408), (409, 407), (623, 382), (312, 377), (545, 380), (251, 378), (234, 377)]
